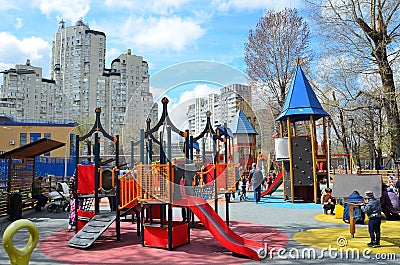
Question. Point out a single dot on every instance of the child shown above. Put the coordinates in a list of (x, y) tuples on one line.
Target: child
[(372, 208), (327, 201), (244, 187), (238, 187)]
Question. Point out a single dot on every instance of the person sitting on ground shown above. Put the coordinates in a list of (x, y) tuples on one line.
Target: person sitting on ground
[(37, 193), (355, 197), (327, 201)]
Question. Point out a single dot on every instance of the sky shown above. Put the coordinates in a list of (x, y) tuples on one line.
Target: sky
[(164, 32)]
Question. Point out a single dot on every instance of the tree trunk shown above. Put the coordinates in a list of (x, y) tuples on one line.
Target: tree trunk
[(380, 39), (390, 107)]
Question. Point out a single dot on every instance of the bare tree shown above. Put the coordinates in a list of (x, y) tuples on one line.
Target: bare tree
[(272, 48), (83, 127), (367, 32)]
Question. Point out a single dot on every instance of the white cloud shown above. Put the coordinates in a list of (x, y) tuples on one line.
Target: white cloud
[(71, 10), (200, 91), (157, 93), (14, 51), (19, 23), (161, 7), (160, 34), (177, 110), (5, 66), (226, 5), (7, 5)]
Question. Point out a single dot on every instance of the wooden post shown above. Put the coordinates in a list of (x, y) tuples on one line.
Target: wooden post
[(313, 156), (352, 221), (290, 160)]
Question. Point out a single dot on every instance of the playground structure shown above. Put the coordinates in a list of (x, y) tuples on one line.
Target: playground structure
[(244, 141), (270, 166), (150, 191), (304, 164)]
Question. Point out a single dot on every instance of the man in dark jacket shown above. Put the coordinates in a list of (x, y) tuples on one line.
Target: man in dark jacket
[(373, 209), (256, 178)]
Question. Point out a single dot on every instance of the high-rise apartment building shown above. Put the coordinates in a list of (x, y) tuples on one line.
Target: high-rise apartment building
[(26, 95), (234, 97), (128, 96), (80, 83), (223, 107), (196, 115), (78, 60)]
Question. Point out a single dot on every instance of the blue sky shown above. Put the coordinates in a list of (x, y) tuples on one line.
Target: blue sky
[(164, 32)]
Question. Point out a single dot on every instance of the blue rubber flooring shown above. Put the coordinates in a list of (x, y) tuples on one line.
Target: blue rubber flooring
[(278, 202)]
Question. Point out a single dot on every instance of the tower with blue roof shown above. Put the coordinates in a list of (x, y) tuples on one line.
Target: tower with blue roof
[(244, 140), (305, 166)]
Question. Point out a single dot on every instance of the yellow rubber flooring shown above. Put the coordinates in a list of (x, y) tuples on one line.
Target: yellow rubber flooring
[(340, 239)]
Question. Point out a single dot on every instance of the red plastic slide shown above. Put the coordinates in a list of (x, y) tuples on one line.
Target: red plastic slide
[(275, 185), (220, 230)]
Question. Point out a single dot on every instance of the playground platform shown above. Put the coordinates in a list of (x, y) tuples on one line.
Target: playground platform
[(299, 229)]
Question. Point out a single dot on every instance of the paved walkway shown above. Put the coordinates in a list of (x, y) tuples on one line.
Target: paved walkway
[(274, 222)]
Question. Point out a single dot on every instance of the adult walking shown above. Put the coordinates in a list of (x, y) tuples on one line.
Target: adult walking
[(256, 178), (372, 208)]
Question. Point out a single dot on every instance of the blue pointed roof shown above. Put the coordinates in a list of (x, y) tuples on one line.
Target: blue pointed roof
[(301, 101), (224, 129), (241, 125)]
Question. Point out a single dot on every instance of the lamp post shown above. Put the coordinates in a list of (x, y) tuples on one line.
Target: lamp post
[(66, 146), (66, 151)]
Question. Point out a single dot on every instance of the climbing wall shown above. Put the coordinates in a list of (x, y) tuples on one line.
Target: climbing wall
[(303, 180), (302, 161)]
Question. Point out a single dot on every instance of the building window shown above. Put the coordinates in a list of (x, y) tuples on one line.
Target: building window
[(34, 137), (48, 136), (22, 139)]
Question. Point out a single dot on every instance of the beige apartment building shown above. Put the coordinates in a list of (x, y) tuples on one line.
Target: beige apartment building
[(15, 134)]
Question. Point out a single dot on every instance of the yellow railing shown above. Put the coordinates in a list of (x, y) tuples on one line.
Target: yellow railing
[(198, 179), (129, 189), (154, 181)]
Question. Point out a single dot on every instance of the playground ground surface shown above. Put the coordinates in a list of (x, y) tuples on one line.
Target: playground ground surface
[(302, 233)]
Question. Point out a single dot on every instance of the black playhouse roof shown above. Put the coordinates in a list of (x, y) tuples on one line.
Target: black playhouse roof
[(33, 149)]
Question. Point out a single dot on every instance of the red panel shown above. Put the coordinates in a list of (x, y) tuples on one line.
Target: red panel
[(83, 218), (221, 176), (210, 176), (156, 211), (180, 234), (156, 236), (85, 179)]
